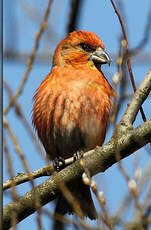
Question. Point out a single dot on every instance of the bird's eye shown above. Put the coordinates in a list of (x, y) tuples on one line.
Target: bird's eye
[(86, 47)]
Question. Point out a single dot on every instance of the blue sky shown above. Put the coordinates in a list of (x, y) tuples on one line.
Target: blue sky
[(100, 18)]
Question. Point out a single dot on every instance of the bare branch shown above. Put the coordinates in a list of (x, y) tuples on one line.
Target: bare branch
[(145, 38), (127, 55), (23, 177), (98, 161), (139, 97), (31, 58), (20, 114)]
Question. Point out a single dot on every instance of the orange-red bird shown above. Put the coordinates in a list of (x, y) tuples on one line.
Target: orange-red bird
[(72, 106)]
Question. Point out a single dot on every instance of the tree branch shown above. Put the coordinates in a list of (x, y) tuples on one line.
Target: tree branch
[(23, 177), (98, 160), (139, 97)]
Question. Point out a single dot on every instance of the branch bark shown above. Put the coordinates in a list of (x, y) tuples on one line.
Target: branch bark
[(138, 99)]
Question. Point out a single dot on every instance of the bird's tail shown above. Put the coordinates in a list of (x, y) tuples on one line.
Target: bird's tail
[(82, 195)]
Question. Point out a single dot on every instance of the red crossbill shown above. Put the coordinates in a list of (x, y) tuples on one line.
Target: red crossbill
[(72, 106)]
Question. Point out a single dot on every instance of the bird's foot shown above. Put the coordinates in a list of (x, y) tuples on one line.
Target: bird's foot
[(78, 155), (59, 163)]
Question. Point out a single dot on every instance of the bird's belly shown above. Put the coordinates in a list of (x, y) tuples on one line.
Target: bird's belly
[(86, 135), (93, 131)]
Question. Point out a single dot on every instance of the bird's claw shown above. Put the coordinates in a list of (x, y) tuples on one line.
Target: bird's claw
[(78, 155), (59, 163)]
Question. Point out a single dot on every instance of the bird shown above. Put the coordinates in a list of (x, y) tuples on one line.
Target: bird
[(72, 107)]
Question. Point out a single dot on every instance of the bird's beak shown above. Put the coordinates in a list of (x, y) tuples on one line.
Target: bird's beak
[(99, 57)]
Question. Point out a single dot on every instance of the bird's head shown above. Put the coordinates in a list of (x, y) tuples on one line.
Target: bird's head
[(80, 48)]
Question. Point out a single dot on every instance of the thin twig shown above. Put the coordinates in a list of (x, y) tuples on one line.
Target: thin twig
[(105, 217), (117, 78), (133, 191), (128, 56), (11, 174), (26, 124), (68, 221), (124, 205), (30, 59), (17, 148), (145, 38)]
